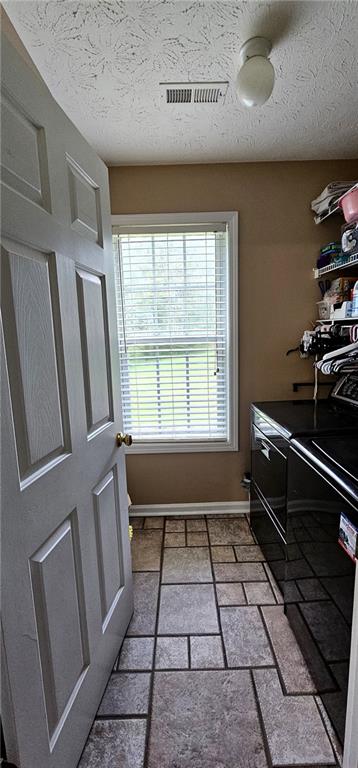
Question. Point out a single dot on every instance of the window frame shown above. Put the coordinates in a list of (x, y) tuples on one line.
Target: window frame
[(231, 219)]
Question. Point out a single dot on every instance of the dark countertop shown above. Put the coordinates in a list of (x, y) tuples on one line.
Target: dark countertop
[(308, 417)]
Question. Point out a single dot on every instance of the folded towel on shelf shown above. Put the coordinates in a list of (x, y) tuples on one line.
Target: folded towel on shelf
[(334, 189), (327, 200)]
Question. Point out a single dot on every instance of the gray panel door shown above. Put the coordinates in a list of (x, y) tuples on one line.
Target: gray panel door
[(66, 579)]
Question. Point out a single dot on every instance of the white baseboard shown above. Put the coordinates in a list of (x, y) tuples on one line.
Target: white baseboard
[(197, 508)]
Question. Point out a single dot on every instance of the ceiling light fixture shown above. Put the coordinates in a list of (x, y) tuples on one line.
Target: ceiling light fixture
[(256, 76)]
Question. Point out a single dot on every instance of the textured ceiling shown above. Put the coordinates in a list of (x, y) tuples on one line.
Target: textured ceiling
[(103, 62)]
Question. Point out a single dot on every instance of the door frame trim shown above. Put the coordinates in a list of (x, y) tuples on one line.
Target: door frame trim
[(350, 753)]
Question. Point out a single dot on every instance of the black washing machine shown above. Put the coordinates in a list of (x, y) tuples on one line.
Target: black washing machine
[(304, 511), (273, 427), (321, 554)]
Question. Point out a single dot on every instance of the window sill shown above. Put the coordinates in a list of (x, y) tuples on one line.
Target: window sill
[(206, 446)]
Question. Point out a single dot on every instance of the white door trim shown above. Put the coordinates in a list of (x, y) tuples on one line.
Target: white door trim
[(137, 222), (195, 508), (350, 755)]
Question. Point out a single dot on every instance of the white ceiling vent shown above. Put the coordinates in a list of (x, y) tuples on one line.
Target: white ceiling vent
[(194, 93)]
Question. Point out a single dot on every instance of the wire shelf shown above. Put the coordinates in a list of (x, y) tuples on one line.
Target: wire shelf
[(330, 269)]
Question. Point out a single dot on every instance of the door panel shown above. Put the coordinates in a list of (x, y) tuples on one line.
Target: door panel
[(24, 164), (66, 568), (85, 203), (108, 543), (94, 342), (29, 292), (60, 618)]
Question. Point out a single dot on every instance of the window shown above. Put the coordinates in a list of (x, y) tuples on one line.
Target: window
[(176, 288)]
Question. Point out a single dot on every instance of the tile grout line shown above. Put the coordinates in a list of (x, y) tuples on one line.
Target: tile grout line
[(121, 717), (174, 634), (132, 671), (261, 722), (315, 696), (245, 593), (179, 634), (226, 666), (276, 664), (272, 581), (151, 687), (218, 581), (204, 669), (189, 652)]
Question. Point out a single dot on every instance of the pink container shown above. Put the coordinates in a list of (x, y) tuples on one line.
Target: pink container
[(349, 205)]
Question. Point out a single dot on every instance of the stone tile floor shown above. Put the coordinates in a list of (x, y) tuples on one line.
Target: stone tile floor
[(209, 674)]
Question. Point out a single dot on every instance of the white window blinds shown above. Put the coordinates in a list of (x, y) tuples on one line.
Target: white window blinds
[(173, 319)]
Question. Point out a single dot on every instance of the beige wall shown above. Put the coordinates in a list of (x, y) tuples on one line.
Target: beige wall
[(277, 250)]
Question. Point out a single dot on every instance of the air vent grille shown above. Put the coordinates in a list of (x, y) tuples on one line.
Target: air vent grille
[(179, 95), (195, 93), (207, 95)]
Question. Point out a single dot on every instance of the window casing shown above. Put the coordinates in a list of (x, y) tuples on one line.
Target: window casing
[(177, 308)]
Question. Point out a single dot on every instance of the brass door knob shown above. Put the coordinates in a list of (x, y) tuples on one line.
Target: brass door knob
[(123, 439)]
